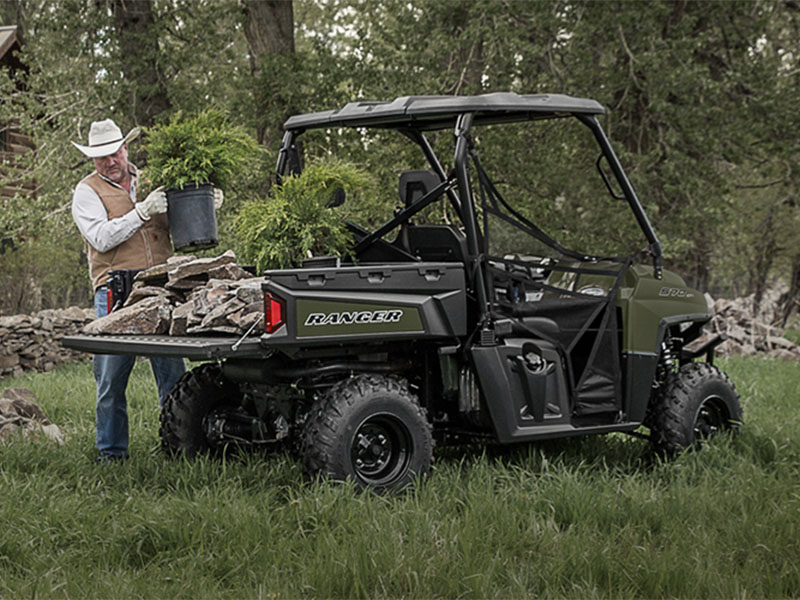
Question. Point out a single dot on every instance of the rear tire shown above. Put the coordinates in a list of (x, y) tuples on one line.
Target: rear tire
[(693, 405), (196, 394), (370, 430)]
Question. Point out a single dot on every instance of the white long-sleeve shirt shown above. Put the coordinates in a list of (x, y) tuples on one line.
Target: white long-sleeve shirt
[(92, 220)]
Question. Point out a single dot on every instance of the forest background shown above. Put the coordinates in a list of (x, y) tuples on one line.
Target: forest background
[(701, 102)]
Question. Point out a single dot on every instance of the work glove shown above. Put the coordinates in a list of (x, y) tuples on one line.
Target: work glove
[(154, 204), (219, 198)]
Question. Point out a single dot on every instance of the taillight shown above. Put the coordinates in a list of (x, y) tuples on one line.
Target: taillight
[(109, 300), (273, 313)]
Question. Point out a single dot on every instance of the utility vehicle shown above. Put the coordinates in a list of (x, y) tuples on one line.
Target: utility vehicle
[(437, 333)]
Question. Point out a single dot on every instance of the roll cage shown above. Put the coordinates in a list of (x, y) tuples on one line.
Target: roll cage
[(413, 116)]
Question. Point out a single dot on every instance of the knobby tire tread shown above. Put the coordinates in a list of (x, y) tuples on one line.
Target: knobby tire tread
[(669, 414), (194, 395), (327, 423)]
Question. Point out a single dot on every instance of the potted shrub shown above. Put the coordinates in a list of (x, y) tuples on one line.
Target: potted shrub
[(189, 155), (297, 219)]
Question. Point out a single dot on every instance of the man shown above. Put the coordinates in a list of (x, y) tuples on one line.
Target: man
[(120, 233)]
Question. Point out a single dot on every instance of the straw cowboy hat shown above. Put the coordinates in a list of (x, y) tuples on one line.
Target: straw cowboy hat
[(105, 138)]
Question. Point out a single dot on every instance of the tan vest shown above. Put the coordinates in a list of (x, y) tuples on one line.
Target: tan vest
[(148, 247)]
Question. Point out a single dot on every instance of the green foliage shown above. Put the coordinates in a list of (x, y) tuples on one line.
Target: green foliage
[(296, 219), (44, 273), (593, 517), (202, 148)]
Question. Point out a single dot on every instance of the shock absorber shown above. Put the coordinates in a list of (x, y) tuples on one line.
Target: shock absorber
[(667, 361)]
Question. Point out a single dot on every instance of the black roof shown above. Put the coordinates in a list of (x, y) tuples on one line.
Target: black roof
[(439, 112), (9, 38)]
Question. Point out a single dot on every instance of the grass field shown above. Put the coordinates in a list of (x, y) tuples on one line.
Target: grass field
[(597, 517)]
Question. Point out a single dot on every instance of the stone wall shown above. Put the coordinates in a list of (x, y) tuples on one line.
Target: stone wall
[(32, 342)]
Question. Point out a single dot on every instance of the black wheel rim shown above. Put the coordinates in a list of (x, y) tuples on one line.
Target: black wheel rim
[(711, 418), (381, 450)]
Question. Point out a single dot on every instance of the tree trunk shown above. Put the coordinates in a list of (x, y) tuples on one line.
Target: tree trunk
[(789, 300), (759, 270), (138, 42), (466, 62), (269, 29)]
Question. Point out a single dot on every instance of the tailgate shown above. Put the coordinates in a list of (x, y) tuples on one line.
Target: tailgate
[(193, 348)]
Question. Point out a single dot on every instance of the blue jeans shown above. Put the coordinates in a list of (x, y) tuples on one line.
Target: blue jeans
[(111, 372)]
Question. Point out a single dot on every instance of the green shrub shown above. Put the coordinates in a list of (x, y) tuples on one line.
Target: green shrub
[(296, 219), (203, 148)]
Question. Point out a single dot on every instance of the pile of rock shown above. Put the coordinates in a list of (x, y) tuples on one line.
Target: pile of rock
[(749, 335), (20, 413), (189, 296), (31, 342)]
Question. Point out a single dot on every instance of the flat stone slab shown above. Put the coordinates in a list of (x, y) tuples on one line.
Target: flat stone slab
[(148, 317), (200, 266), (140, 293)]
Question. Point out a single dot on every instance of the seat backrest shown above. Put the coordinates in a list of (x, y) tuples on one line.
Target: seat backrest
[(436, 243), (415, 184)]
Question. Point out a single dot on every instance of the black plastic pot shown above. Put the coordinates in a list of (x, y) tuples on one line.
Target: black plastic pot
[(192, 218)]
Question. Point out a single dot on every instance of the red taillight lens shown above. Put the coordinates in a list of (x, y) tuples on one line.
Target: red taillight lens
[(109, 300), (273, 313)]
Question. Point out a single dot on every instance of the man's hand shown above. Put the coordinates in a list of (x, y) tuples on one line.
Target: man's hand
[(219, 197), (154, 204)]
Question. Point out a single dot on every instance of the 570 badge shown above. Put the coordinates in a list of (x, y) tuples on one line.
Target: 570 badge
[(668, 292)]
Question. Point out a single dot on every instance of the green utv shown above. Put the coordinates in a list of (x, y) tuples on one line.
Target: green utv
[(480, 329)]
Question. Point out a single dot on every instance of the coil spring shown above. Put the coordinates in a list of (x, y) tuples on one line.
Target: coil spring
[(667, 361)]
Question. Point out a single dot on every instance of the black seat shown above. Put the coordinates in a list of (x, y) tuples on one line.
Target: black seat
[(415, 184), (436, 243)]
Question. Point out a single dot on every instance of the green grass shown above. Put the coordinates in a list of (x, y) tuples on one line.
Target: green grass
[(793, 335), (582, 518)]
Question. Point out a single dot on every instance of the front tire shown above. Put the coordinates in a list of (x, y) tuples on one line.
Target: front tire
[(370, 430), (196, 395), (694, 404)]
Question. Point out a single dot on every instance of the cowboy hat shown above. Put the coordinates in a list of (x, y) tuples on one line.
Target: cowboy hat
[(105, 138)]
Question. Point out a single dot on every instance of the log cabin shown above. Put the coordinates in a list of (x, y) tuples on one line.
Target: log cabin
[(13, 143)]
